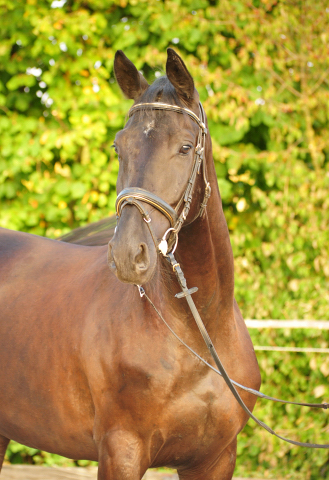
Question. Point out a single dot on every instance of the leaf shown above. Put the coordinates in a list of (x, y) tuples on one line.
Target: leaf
[(226, 135), (21, 80)]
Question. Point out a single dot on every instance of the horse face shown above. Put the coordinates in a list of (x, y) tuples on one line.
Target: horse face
[(156, 152)]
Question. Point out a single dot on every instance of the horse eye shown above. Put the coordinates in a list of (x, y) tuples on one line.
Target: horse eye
[(115, 148), (185, 149)]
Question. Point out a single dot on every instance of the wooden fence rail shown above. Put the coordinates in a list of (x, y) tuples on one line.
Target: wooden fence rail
[(287, 324), (317, 324)]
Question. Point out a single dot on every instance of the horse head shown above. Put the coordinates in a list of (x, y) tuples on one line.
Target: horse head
[(158, 160)]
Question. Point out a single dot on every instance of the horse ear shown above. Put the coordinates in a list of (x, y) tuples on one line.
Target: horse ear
[(131, 82), (179, 76)]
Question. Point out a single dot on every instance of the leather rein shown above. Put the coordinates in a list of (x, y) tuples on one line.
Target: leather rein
[(134, 196)]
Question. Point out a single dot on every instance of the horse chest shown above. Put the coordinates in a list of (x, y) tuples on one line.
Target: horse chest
[(200, 419), (185, 401)]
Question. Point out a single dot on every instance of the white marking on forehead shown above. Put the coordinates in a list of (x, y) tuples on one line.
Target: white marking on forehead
[(148, 128)]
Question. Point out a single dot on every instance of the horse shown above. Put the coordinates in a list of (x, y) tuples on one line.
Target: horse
[(89, 368)]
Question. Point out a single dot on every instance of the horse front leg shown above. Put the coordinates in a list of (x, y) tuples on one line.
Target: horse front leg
[(219, 469), (3, 447), (120, 455)]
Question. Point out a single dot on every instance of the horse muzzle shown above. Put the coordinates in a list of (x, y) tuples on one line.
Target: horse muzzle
[(132, 255)]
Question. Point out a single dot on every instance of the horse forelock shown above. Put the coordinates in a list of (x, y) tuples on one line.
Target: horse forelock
[(162, 91)]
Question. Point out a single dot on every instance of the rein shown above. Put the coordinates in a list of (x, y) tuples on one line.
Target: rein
[(133, 196)]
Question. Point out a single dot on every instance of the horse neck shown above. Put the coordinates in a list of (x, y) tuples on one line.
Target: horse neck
[(205, 254)]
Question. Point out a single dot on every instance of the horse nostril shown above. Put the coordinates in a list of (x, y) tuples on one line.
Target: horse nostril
[(141, 261)]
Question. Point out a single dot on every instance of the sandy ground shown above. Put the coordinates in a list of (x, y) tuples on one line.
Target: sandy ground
[(28, 472)]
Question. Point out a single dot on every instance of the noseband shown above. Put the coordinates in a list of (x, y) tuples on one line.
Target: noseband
[(135, 195)]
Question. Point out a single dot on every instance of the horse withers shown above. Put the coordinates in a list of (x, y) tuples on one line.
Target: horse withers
[(88, 368)]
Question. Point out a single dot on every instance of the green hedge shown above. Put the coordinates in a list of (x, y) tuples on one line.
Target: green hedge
[(296, 377), (261, 69)]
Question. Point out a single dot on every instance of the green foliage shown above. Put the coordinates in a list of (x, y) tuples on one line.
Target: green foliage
[(261, 68), (18, 454), (290, 376)]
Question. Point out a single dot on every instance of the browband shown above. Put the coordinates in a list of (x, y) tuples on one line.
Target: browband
[(166, 106)]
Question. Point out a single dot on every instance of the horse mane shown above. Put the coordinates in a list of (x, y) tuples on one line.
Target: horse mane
[(95, 234)]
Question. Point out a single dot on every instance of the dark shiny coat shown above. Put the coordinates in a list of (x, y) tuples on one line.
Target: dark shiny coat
[(87, 368)]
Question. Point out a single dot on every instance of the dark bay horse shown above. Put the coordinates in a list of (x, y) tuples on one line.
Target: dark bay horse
[(88, 369)]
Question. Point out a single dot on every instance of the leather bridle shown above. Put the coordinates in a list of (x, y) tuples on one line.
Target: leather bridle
[(134, 196)]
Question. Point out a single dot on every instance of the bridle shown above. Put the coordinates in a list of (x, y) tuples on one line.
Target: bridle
[(134, 196)]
